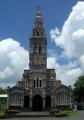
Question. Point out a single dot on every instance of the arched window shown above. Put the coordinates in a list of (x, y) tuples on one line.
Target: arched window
[(37, 33), (39, 50), (40, 83), (37, 82)]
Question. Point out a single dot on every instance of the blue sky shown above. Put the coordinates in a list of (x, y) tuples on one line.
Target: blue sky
[(63, 22), (17, 17)]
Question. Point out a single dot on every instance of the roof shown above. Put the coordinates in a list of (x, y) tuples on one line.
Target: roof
[(3, 95), (62, 86)]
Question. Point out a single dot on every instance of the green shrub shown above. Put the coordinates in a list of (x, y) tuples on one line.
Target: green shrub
[(64, 113), (61, 114), (2, 115)]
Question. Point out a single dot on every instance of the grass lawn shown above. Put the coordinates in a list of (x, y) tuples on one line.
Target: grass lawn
[(70, 113)]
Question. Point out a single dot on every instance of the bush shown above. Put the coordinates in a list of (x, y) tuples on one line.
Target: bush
[(2, 115), (61, 114)]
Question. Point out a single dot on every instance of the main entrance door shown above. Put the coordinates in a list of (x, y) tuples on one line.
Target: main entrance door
[(37, 103), (26, 101)]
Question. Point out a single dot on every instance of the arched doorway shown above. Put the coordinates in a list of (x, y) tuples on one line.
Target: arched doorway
[(37, 103), (26, 101), (48, 102)]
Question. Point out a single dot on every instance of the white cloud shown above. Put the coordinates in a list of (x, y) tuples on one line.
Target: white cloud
[(71, 37), (82, 63), (13, 60), (67, 73), (51, 62)]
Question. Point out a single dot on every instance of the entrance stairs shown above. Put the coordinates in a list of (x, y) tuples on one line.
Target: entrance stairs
[(31, 114)]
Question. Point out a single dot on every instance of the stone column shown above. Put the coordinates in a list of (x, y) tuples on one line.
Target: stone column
[(64, 97), (19, 99), (43, 102), (60, 97), (36, 83), (52, 102), (30, 103), (7, 101), (14, 99)]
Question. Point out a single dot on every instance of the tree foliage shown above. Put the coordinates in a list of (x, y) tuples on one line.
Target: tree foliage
[(78, 91), (3, 90)]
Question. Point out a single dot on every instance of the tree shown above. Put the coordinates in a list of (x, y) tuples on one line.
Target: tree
[(78, 91), (3, 90)]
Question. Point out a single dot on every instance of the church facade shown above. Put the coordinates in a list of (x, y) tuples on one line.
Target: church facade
[(39, 88)]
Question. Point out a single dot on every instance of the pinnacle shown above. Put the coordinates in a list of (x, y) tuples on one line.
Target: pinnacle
[(38, 12)]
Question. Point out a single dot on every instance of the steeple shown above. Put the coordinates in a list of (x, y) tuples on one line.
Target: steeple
[(38, 45), (38, 30), (38, 13)]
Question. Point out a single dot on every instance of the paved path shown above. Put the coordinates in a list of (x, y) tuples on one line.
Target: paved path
[(80, 116)]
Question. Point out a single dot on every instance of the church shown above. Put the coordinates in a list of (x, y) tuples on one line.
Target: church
[(38, 89)]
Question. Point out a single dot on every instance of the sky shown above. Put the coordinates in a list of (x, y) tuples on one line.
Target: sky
[(64, 26)]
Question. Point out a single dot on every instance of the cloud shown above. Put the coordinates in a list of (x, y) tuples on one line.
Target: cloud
[(82, 63), (71, 37), (13, 60), (51, 62), (67, 73)]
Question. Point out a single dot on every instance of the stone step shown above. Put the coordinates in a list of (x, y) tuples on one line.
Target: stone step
[(31, 114)]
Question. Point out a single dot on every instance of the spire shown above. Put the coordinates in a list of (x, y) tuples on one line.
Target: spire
[(38, 18), (38, 12), (38, 30)]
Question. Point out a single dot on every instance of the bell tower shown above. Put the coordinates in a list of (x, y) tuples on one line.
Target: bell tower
[(38, 45)]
